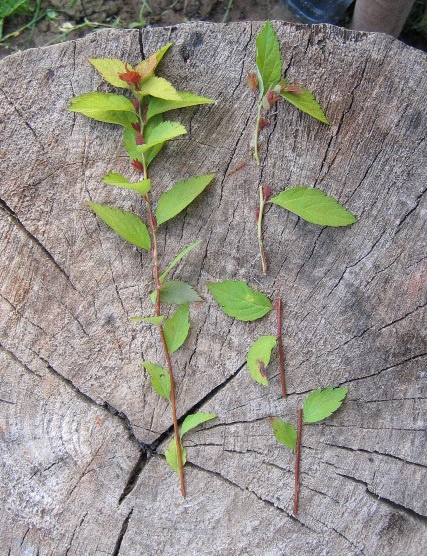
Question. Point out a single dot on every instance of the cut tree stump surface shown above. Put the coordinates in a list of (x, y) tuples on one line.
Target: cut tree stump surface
[(78, 411)]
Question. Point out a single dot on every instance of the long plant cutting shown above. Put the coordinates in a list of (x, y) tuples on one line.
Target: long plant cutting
[(141, 114)]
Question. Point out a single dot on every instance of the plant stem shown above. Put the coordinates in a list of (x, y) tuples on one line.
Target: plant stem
[(154, 253), (153, 229), (297, 462), (280, 346), (256, 135), (259, 222)]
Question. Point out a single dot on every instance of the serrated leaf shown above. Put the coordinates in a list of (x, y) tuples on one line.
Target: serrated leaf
[(110, 68), (176, 292), (178, 258), (314, 206), (194, 420), (259, 357), (126, 224), (105, 107), (158, 87), (142, 187), (149, 127), (285, 433), (161, 133), (160, 379), (151, 320), (159, 105), (322, 403), (176, 327), (156, 57), (178, 198), (268, 58), (240, 301), (129, 142), (306, 102), (172, 455)]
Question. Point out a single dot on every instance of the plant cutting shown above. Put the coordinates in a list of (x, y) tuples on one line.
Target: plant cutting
[(269, 87), (318, 405), (145, 133)]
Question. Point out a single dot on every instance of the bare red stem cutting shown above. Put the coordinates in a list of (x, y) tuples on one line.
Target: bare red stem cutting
[(297, 462), (280, 346)]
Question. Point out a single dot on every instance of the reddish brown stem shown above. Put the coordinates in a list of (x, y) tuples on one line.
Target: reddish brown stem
[(153, 229), (280, 346), (297, 462)]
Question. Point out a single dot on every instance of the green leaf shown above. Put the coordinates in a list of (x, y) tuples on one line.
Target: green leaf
[(175, 200), (161, 133), (321, 403), (151, 320), (129, 226), (160, 379), (129, 142), (268, 58), (149, 127), (177, 327), (285, 433), (110, 68), (178, 258), (176, 292), (159, 105), (314, 206), (156, 57), (306, 102), (194, 420), (105, 107), (238, 300), (10, 7), (118, 180), (259, 357), (158, 87), (172, 455)]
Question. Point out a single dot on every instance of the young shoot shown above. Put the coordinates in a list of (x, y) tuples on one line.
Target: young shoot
[(145, 131)]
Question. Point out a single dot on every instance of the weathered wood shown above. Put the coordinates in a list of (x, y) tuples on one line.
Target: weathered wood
[(77, 410)]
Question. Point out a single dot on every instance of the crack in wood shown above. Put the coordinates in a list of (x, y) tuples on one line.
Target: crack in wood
[(122, 533), (408, 214), (377, 373), (20, 363), (15, 219), (400, 507), (134, 475), (403, 317), (376, 452)]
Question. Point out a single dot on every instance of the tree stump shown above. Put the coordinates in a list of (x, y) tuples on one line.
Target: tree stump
[(80, 421)]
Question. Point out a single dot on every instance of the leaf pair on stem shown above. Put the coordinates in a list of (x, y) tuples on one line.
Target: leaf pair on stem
[(269, 87), (240, 301), (144, 134), (318, 405)]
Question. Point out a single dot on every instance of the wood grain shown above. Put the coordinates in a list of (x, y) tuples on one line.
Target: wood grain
[(83, 471)]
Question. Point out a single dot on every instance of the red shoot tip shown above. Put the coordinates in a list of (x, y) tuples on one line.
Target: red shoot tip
[(138, 166), (252, 81), (294, 89), (131, 77), (266, 192)]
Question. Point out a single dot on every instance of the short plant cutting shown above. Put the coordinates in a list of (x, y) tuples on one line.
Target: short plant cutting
[(144, 134), (269, 87)]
